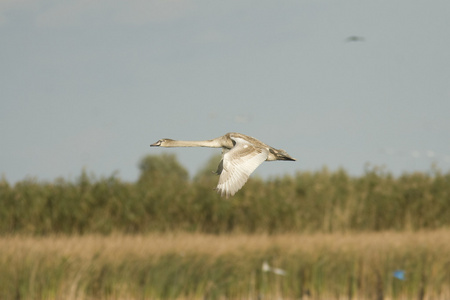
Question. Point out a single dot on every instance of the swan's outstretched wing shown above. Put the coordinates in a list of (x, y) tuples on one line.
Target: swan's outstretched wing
[(237, 165)]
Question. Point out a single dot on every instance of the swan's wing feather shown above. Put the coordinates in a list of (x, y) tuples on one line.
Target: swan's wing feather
[(220, 166), (238, 164)]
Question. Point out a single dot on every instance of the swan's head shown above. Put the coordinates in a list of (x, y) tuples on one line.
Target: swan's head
[(283, 155), (161, 143)]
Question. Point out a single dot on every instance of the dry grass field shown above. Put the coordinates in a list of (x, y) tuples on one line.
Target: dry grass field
[(201, 266)]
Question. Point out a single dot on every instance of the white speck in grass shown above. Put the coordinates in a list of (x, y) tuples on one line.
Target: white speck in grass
[(267, 268)]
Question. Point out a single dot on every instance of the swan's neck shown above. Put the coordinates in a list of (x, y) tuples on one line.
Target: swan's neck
[(208, 143)]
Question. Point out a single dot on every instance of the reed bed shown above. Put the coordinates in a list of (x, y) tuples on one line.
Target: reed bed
[(200, 266), (165, 199)]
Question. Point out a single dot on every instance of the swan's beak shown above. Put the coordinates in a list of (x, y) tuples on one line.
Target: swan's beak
[(287, 157), (157, 144)]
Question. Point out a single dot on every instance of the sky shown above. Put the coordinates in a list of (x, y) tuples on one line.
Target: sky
[(89, 85)]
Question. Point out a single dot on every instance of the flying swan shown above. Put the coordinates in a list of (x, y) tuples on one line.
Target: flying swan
[(241, 155)]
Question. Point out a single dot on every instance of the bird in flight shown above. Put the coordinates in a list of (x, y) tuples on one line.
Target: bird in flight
[(355, 38), (241, 155)]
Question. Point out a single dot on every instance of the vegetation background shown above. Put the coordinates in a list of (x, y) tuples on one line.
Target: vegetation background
[(165, 199), (342, 235)]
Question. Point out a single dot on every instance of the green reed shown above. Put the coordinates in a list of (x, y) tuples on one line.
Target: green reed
[(165, 199)]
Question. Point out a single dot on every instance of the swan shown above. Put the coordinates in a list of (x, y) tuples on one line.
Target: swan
[(241, 155)]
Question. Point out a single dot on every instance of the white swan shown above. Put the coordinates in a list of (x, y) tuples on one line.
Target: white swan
[(241, 155)]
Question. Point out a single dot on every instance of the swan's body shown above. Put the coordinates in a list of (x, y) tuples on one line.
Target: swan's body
[(241, 155)]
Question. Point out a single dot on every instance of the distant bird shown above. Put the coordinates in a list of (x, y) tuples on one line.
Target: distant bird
[(241, 155), (355, 38)]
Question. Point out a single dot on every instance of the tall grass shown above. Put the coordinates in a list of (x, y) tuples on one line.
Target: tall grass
[(165, 199), (199, 266)]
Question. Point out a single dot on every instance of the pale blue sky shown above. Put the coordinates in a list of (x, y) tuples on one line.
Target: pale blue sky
[(90, 84)]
